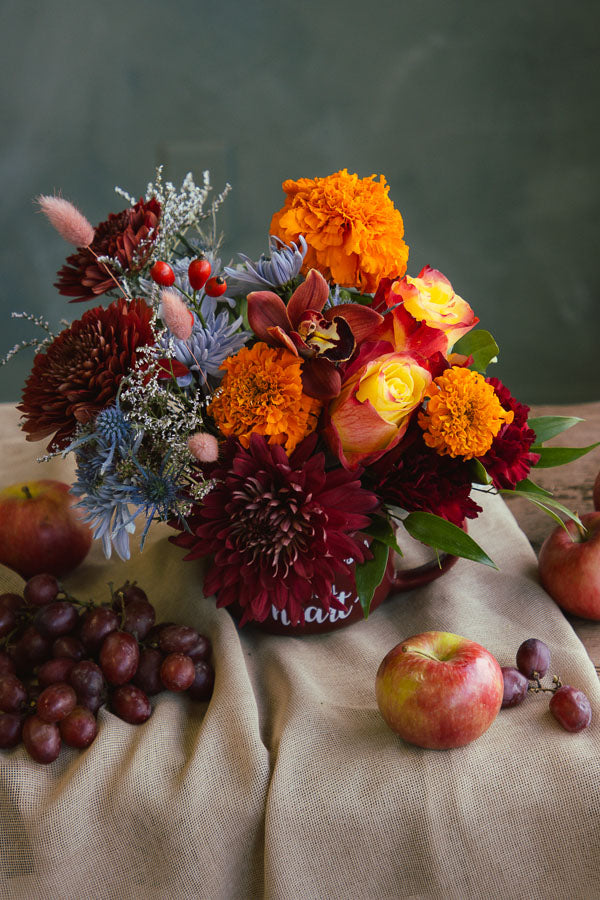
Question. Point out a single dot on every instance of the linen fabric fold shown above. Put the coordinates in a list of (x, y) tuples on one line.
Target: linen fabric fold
[(288, 784)]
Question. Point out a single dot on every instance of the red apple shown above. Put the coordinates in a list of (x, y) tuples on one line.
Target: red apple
[(569, 566), (596, 494), (439, 690), (40, 531)]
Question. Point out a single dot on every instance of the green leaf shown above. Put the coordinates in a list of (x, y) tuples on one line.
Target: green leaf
[(381, 529), (547, 503), (443, 535), (547, 427), (530, 487), (558, 456), (368, 575), (480, 345), (479, 474)]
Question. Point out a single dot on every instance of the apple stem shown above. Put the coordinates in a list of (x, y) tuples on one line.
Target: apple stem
[(27, 492)]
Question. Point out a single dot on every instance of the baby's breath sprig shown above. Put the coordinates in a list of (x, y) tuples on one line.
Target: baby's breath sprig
[(38, 343)]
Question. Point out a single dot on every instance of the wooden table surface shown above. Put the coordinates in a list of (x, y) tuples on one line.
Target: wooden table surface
[(572, 485)]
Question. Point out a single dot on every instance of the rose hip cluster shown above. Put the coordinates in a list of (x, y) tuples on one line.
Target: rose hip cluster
[(61, 659), (569, 706)]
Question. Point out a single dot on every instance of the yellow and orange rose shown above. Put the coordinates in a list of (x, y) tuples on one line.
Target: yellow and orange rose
[(378, 397)]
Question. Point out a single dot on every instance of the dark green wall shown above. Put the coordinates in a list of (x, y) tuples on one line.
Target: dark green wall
[(484, 118)]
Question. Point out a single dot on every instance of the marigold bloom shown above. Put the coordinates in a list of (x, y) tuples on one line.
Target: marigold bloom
[(261, 393), (463, 415), (353, 231)]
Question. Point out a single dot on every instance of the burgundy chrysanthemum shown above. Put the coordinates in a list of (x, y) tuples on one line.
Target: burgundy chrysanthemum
[(79, 373), (127, 236), (279, 529), (509, 459), (416, 478)]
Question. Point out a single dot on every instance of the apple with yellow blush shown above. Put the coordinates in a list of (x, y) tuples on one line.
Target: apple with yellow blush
[(439, 690)]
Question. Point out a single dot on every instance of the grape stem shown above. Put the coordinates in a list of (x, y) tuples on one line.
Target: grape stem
[(536, 686)]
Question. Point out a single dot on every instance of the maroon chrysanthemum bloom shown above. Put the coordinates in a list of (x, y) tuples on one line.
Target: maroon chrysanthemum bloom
[(509, 459), (127, 236), (279, 529), (414, 477), (79, 373)]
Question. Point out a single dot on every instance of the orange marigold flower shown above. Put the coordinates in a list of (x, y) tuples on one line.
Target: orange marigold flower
[(261, 393), (353, 231), (463, 415)]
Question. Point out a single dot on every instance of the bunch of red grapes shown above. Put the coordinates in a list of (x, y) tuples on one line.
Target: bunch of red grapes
[(61, 659), (569, 706)]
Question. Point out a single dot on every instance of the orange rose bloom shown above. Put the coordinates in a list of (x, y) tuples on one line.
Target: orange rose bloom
[(353, 231)]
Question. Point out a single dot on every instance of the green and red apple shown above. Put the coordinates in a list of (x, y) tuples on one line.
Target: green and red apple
[(439, 690), (40, 530), (569, 566)]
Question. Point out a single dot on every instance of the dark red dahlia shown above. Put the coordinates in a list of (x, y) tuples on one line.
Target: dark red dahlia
[(80, 371), (279, 529), (509, 459), (414, 477), (127, 236)]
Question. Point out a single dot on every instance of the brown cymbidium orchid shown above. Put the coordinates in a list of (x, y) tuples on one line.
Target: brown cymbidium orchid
[(321, 338)]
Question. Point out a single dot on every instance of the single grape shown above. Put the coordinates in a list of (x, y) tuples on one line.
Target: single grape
[(177, 672), (96, 625), (515, 686), (147, 676), (13, 694), (201, 649), (92, 702), (79, 728), (86, 678), (119, 657), (41, 589), (11, 726), (56, 701), (56, 618), (8, 620), (54, 670), (68, 645), (31, 649), (11, 601), (7, 666), (126, 593), (131, 704), (571, 708), (41, 739), (201, 687), (177, 638), (138, 618), (533, 658)]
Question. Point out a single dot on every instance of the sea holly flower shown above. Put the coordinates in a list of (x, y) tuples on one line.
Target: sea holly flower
[(381, 391), (354, 233), (279, 529), (321, 337), (274, 271)]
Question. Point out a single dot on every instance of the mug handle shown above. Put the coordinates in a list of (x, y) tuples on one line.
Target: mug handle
[(413, 578)]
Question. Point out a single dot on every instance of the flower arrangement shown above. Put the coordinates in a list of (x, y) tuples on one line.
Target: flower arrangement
[(287, 416)]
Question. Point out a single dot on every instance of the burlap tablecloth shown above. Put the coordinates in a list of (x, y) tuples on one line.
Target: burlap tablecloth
[(288, 784)]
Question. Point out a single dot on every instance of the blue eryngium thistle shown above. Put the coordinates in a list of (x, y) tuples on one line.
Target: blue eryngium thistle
[(274, 271), (210, 344), (105, 500), (156, 494)]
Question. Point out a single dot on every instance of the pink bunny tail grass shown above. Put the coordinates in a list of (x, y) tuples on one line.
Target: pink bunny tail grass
[(204, 447), (176, 315), (68, 221)]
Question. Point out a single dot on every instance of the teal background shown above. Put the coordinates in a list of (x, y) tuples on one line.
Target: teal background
[(483, 118)]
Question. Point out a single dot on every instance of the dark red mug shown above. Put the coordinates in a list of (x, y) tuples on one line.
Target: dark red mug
[(318, 621)]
